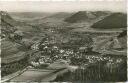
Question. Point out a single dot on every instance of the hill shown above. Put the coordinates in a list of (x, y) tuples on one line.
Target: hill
[(7, 19), (53, 20), (115, 20), (28, 16), (85, 16), (7, 23), (10, 25)]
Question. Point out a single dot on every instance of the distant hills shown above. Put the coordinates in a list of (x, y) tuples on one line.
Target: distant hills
[(10, 25), (54, 20), (65, 19), (28, 16), (93, 19), (34, 21), (115, 20), (60, 15), (85, 16)]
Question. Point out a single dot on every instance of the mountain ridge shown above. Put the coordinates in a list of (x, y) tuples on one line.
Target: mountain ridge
[(115, 20), (85, 16)]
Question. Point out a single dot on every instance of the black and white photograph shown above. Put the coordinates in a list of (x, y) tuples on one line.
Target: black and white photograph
[(63, 41)]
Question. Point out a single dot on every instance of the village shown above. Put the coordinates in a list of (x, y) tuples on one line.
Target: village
[(63, 42)]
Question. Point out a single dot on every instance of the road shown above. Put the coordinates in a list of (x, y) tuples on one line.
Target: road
[(39, 75), (35, 75)]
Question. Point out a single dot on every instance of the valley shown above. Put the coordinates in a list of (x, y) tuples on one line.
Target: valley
[(81, 39)]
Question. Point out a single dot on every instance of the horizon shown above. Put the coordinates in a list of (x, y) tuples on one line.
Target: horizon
[(63, 6), (61, 12)]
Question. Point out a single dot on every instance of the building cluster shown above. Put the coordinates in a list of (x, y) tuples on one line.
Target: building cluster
[(49, 53)]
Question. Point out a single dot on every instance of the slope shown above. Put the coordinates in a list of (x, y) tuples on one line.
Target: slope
[(114, 21)]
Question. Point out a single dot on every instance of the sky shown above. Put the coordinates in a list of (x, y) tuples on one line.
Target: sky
[(62, 6)]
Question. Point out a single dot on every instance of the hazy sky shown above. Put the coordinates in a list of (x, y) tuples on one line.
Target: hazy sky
[(45, 6)]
